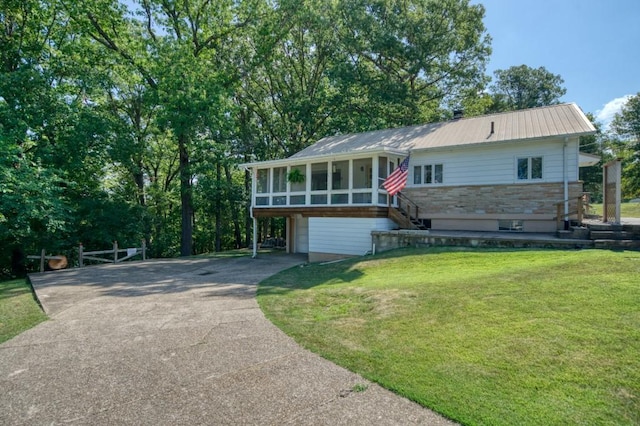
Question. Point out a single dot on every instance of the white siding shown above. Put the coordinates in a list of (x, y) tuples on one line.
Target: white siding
[(351, 236), (496, 164)]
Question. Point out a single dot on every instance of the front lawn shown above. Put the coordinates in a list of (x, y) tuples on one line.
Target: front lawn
[(18, 309), (626, 209), (483, 337)]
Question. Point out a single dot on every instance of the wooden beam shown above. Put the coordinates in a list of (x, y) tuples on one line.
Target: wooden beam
[(325, 211)]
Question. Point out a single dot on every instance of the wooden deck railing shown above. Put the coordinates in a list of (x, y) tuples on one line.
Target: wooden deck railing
[(582, 205), (407, 206), (405, 213)]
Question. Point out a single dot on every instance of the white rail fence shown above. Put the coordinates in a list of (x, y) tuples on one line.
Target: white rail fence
[(130, 252), (106, 256), (62, 260)]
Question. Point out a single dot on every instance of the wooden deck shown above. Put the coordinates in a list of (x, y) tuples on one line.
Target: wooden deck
[(322, 211)]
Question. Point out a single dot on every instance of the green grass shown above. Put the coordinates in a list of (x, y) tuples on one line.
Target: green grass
[(483, 337), (626, 209), (19, 311)]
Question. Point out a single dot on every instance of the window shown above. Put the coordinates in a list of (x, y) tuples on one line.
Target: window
[(362, 173), (529, 168), (263, 181), (362, 198), (510, 225), (299, 185), (339, 198), (433, 173), (280, 179), (319, 176), (382, 168), (417, 175), (437, 173), (297, 199), (319, 199), (340, 175)]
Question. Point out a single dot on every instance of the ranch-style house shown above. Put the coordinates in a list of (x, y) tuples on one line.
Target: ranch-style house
[(513, 172)]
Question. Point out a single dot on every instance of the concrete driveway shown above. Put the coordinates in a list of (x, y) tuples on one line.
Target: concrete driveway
[(176, 342)]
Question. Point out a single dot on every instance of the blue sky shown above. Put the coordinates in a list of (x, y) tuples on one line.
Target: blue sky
[(593, 44)]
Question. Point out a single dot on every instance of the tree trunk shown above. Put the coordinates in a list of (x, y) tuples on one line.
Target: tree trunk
[(138, 177), (218, 206), (235, 217), (186, 199), (248, 223)]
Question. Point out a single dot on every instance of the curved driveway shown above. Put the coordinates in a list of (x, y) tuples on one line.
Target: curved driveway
[(176, 342)]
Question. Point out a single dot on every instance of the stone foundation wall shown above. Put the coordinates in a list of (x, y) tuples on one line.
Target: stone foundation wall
[(515, 199), (390, 240)]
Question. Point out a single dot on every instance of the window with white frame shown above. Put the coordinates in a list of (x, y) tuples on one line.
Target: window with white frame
[(417, 175), (529, 168), (279, 179), (428, 174), (262, 181)]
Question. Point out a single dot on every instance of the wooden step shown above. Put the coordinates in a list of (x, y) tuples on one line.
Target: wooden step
[(605, 227), (616, 244), (611, 235)]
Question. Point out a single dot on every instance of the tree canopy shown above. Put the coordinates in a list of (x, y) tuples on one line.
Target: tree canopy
[(521, 87), (126, 120), (626, 127)]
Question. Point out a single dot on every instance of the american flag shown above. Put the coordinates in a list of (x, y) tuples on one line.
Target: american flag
[(398, 178)]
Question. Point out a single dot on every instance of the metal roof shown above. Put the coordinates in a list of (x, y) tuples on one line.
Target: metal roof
[(550, 121)]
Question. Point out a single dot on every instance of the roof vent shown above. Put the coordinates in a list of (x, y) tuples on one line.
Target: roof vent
[(458, 114)]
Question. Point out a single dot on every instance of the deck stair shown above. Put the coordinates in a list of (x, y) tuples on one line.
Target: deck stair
[(404, 220), (616, 236), (405, 215)]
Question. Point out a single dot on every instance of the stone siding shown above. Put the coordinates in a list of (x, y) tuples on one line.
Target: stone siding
[(492, 200)]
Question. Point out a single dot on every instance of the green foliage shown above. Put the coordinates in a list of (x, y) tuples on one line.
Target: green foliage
[(626, 125), (348, 66), (484, 337), (591, 176), (295, 176), (125, 120), (521, 87)]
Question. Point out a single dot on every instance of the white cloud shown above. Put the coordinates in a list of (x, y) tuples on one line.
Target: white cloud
[(605, 115)]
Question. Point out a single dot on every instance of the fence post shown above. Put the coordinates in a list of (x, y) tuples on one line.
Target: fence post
[(80, 255), (144, 249), (580, 209), (42, 254), (115, 252)]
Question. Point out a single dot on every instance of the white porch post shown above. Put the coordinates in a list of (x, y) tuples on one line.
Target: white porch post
[(375, 165), (565, 171), (307, 185), (288, 240), (255, 237)]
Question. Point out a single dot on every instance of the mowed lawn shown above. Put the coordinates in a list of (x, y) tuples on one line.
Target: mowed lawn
[(626, 209), (484, 337), (18, 309)]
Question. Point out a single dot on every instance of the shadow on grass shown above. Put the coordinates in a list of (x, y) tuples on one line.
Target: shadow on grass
[(311, 275), (13, 288)]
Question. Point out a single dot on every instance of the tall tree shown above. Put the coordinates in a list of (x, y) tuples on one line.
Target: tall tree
[(521, 87), (626, 125), (182, 51), (348, 66), (53, 134), (413, 57), (592, 176), (34, 207)]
